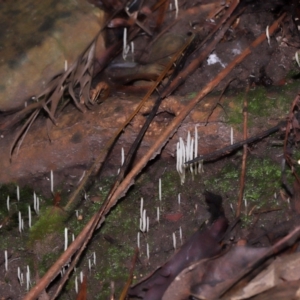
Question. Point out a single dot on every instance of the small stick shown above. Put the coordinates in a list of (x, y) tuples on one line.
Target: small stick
[(244, 160), (228, 149)]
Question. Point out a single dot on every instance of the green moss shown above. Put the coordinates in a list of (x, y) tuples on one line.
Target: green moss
[(262, 181), (262, 103), (51, 220)]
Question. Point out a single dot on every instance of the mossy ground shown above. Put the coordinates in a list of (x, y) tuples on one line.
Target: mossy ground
[(114, 244)]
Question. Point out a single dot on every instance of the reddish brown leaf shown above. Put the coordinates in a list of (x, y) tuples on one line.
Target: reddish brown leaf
[(173, 217), (82, 295)]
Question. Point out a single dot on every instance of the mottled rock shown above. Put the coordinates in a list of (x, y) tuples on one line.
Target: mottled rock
[(37, 37)]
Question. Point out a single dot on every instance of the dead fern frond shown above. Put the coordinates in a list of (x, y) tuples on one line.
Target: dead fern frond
[(77, 77)]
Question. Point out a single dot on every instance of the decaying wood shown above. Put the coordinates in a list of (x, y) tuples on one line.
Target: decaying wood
[(98, 218)]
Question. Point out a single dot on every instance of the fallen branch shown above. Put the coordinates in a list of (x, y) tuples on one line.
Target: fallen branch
[(228, 149)]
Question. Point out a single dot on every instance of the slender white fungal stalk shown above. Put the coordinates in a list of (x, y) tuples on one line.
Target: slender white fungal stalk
[(28, 278), (94, 258), (268, 35), (126, 48), (18, 193), (81, 177), (73, 237), (6, 260), (177, 157), (7, 203), (142, 207), (34, 202), (176, 8), (180, 235), (187, 148), (297, 58), (196, 149), (191, 157), (29, 216), (174, 241), (138, 240), (231, 136), (37, 205), (90, 265), (51, 181), (148, 252), (159, 189), (183, 159), (157, 214), (179, 198), (76, 285), (147, 229), (20, 276), (66, 65), (231, 206), (20, 222), (66, 238), (132, 50), (144, 221), (122, 156), (81, 276)]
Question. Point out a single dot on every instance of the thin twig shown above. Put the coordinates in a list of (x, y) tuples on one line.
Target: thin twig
[(228, 149), (219, 101), (244, 159)]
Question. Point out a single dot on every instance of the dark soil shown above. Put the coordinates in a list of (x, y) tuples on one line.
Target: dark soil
[(266, 202)]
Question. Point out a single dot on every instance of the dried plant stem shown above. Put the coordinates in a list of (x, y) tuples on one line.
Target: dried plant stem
[(244, 159), (82, 239)]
